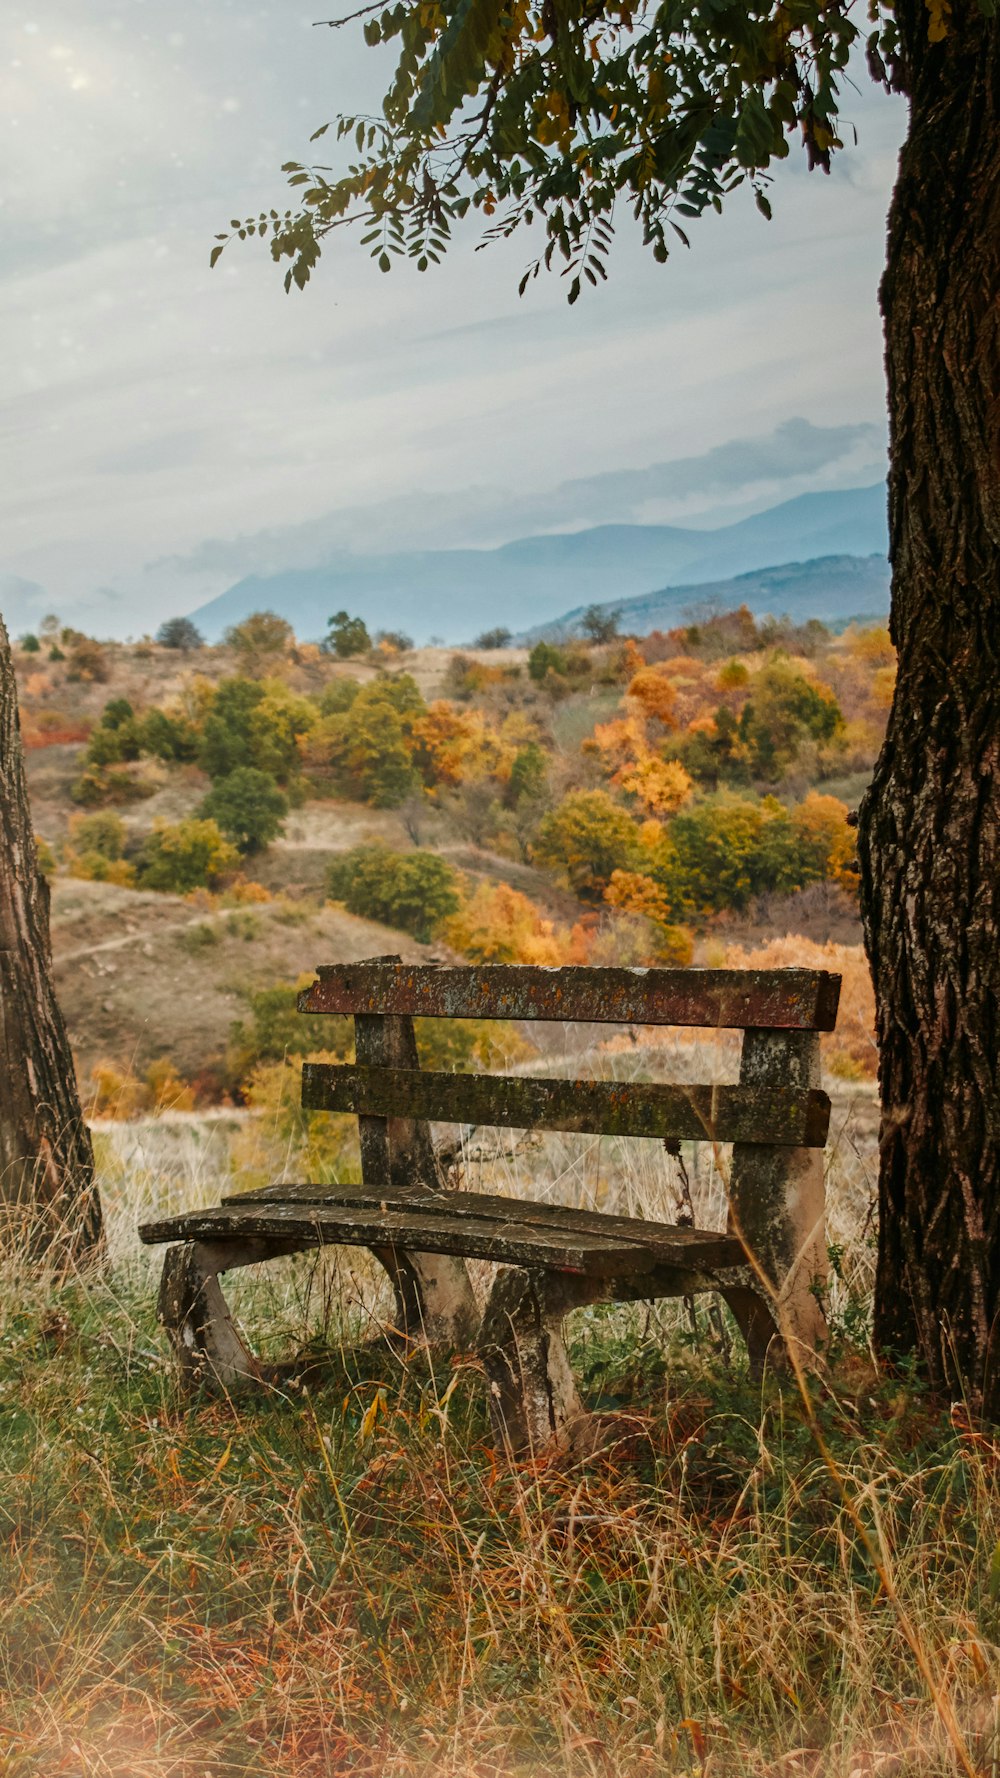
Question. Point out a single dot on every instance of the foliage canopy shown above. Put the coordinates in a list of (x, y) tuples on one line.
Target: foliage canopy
[(413, 891), (563, 111), (248, 807)]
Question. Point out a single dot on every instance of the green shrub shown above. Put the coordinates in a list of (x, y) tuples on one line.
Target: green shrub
[(188, 855), (338, 696), (274, 1029), (255, 723), (99, 786), (248, 807), (116, 737), (104, 833), (528, 775), (728, 849), (784, 711), (46, 857), (413, 891), (545, 658), (170, 738), (198, 938)]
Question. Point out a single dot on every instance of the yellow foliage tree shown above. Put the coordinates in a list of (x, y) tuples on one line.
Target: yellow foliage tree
[(500, 925), (618, 742), (820, 823), (660, 785), (453, 746), (633, 893), (872, 647)]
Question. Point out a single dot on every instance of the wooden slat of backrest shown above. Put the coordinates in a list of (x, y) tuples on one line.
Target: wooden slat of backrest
[(777, 999), (596, 1107)]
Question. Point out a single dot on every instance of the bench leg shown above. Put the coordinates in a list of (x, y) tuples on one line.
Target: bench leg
[(434, 1301), (758, 1326), (202, 1334), (534, 1405)]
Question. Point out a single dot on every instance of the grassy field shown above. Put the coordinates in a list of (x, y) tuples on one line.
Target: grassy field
[(341, 1578)]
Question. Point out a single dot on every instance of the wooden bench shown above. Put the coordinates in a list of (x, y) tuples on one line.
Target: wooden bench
[(770, 1264)]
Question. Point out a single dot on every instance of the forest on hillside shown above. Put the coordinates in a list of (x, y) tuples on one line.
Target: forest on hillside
[(674, 798)]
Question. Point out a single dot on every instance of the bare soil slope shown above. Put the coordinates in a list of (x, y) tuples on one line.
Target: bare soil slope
[(140, 976)]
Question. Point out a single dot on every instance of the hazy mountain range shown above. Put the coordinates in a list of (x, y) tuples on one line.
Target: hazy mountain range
[(452, 594), (834, 588), (809, 556)]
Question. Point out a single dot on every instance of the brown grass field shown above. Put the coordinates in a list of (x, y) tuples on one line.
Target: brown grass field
[(342, 1577)]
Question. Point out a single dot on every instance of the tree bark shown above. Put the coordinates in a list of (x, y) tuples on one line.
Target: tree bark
[(929, 827), (46, 1158)]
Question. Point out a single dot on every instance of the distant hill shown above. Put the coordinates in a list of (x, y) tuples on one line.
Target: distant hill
[(833, 588), (454, 593)]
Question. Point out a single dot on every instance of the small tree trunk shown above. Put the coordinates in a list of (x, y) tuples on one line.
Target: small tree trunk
[(46, 1158), (929, 831)]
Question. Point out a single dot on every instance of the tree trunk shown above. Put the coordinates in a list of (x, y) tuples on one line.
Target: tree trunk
[(929, 829), (46, 1158)]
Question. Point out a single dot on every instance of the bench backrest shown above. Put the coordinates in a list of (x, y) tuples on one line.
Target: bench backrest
[(777, 1117), (777, 1103)]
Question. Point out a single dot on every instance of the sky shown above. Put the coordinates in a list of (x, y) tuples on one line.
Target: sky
[(168, 429)]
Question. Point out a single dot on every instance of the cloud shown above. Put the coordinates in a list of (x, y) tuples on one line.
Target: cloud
[(724, 482), (210, 425)]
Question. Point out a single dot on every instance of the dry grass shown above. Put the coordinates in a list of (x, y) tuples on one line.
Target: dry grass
[(849, 1051), (343, 1580)]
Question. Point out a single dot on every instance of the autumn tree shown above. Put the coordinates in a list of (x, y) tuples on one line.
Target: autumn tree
[(365, 740), (184, 855), (586, 838), (600, 623), (260, 639), (258, 723), (577, 114), (46, 1157)]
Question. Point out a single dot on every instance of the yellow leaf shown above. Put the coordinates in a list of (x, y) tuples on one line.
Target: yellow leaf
[(371, 1414)]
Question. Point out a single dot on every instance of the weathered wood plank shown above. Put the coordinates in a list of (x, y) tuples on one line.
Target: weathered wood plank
[(343, 1225), (779, 999), (434, 1296), (776, 1195), (596, 1107), (674, 1246)]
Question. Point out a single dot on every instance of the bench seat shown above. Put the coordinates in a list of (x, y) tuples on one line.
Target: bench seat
[(473, 1224)]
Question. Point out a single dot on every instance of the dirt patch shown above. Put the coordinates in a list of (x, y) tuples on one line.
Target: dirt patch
[(140, 976)]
